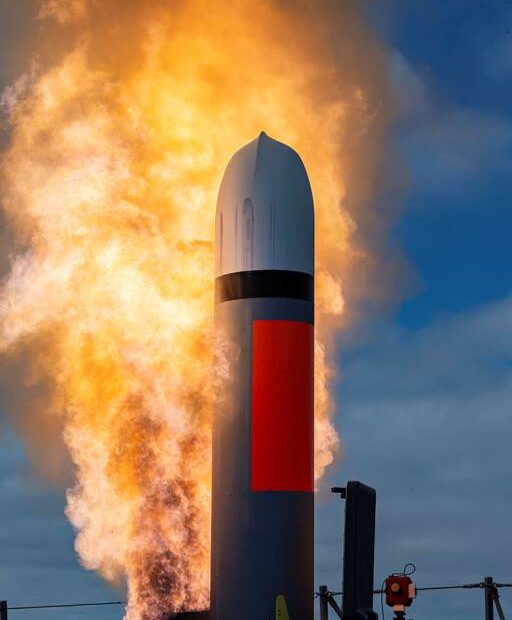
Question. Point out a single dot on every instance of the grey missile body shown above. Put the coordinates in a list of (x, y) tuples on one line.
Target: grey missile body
[(262, 504)]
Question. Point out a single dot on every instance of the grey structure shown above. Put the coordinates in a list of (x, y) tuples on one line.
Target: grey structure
[(262, 540)]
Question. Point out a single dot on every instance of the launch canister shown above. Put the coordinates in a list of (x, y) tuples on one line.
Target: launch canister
[(262, 509)]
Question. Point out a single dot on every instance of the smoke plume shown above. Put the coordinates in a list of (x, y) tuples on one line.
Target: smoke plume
[(118, 133)]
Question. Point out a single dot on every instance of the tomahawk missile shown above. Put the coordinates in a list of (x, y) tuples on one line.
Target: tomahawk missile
[(262, 504)]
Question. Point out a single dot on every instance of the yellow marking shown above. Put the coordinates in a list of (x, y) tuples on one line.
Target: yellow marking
[(281, 608)]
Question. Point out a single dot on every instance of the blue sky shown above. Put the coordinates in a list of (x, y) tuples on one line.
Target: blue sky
[(425, 403), (454, 67), (425, 400)]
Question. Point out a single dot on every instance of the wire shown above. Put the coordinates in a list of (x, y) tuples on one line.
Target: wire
[(411, 571), (60, 605), (461, 587), (405, 572), (465, 586)]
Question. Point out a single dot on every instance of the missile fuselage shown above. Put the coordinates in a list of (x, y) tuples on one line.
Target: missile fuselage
[(262, 508)]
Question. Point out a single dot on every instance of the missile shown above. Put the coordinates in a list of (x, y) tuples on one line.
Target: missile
[(262, 501)]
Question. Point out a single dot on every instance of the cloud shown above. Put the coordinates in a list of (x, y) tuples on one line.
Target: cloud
[(457, 152), (39, 564), (454, 155), (497, 59), (16, 35), (409, 87), (426, 419)]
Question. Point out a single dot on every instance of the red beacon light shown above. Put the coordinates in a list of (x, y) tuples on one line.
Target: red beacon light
[(400, 592)]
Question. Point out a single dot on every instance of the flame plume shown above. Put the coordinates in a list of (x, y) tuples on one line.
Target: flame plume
[(109, 186)]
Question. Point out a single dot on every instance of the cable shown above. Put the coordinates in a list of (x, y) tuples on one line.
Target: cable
[(461, 587), (411, 571), (465, 586), (60, 605)]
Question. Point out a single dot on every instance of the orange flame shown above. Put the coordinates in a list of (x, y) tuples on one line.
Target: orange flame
[(110, 184)]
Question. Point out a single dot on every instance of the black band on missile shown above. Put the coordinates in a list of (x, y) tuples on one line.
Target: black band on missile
[(264, 283)]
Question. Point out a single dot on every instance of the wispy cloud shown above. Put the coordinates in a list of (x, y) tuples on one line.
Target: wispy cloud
[(457, 153), (38, 563), (426, 419), (497, 59), (454, 154)]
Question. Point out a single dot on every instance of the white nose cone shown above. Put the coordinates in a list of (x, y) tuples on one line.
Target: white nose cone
[(265, 214)]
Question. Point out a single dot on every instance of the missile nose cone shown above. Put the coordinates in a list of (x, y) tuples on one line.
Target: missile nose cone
[(265, 214)]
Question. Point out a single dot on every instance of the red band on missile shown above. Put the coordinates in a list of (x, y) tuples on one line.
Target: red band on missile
[(282, 406)]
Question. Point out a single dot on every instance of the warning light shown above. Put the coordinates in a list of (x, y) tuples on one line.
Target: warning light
[(400, 590)]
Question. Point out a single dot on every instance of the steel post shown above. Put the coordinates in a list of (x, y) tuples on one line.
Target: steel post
[(324, 604), (489, 605)]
